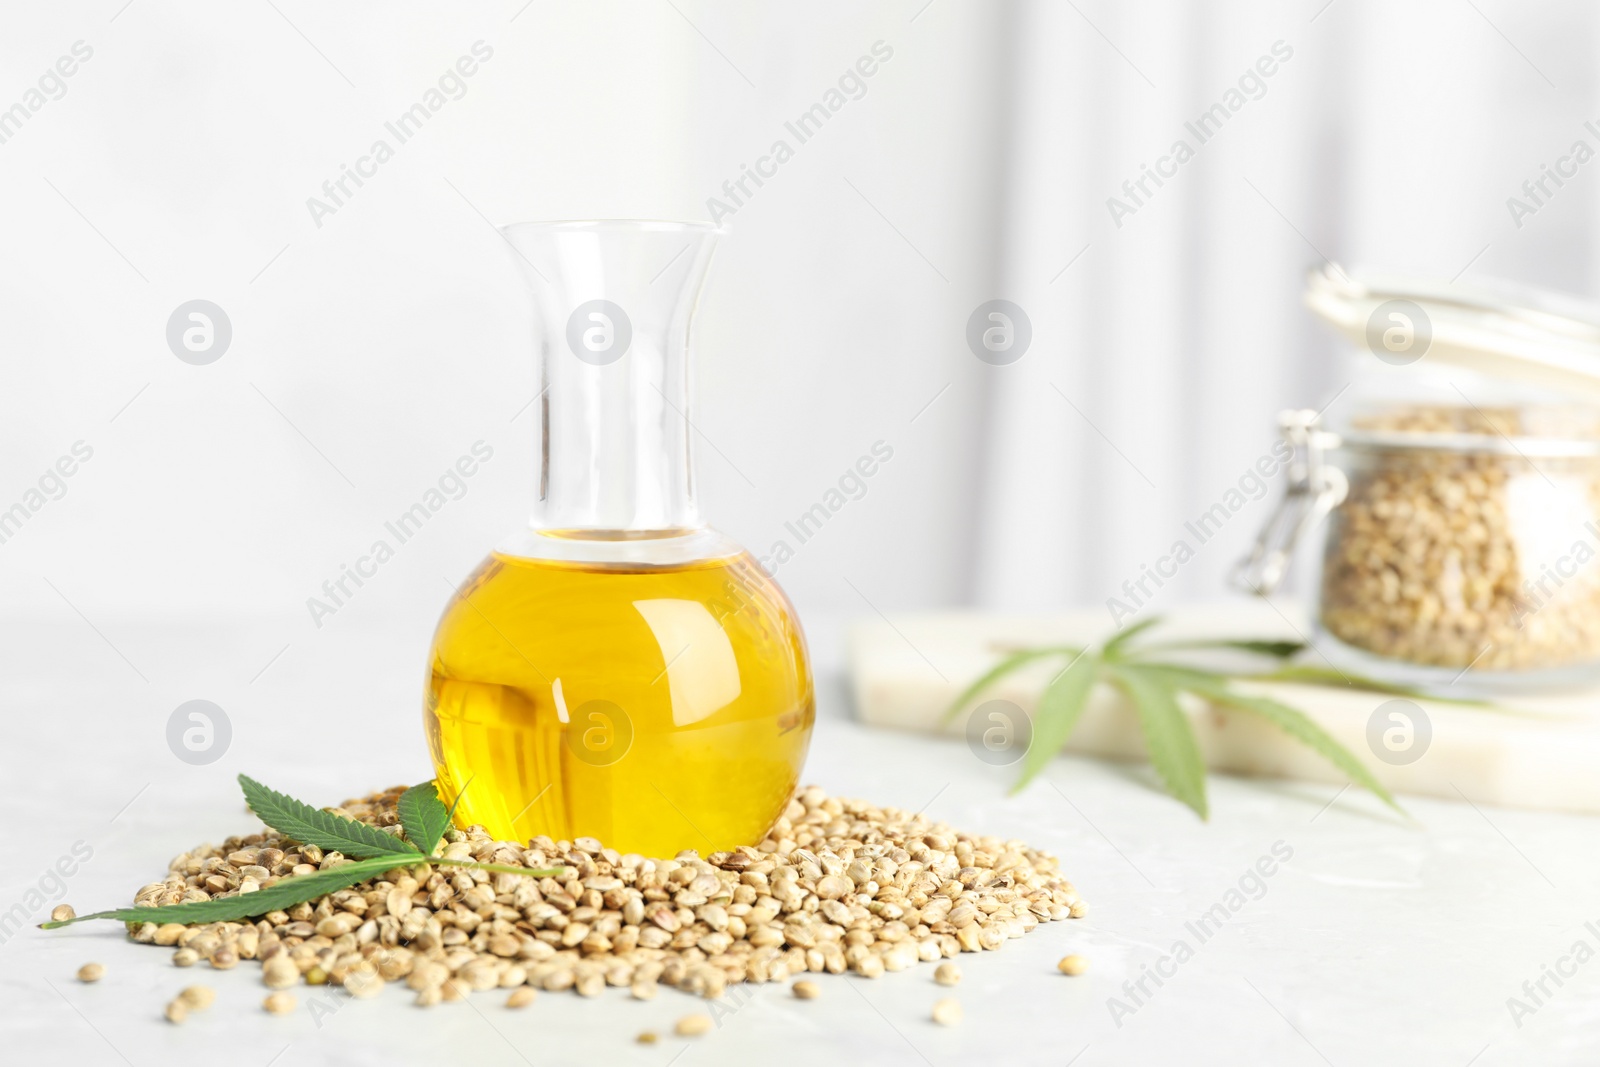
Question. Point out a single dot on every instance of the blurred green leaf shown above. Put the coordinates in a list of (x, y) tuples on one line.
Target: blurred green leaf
[(1291, 721), (1006, 665), (1274, 649), (1309, 674), (1060, 706), (1168, 737), (1111, 651)]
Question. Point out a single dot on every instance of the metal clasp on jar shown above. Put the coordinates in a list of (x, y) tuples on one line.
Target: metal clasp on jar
[(1315, 488)]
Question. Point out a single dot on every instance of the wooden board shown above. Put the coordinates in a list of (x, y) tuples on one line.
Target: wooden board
[(1531, 752)]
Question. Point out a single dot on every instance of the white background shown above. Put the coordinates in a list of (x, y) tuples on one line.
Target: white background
[(370, 352)]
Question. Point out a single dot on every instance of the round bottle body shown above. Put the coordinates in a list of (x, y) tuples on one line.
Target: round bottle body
[(654, 707)]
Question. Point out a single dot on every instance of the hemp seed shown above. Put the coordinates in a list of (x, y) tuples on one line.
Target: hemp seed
[(91, 972), (1073, 965), (198, 997), (280, 972), (363, 984)]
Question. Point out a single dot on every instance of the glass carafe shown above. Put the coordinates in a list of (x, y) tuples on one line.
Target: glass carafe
[(618, 670)]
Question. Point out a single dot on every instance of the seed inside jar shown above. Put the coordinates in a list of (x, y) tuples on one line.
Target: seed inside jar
[(1468, 559)]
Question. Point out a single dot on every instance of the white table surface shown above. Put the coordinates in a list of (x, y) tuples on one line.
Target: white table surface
[(1378, 942)]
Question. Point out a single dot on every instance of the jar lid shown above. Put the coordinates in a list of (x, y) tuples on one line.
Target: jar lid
[(1502, 330), (1476, 444)]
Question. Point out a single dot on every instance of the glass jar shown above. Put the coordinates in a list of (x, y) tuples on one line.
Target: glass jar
[(618, 670), (1462, 492)]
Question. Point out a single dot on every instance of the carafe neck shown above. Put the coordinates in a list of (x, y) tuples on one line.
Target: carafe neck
[(614, 303)]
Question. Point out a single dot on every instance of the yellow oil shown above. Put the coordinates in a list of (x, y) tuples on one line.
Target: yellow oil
[(653, 708)]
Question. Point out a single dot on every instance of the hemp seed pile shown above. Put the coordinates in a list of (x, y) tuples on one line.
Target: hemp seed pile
[(837, 885)]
